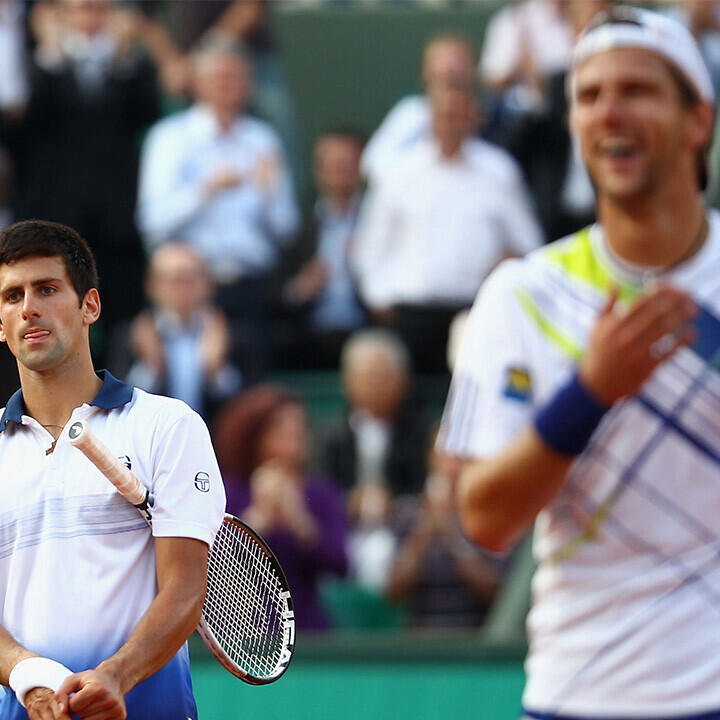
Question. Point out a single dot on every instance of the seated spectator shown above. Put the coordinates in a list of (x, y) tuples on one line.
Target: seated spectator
[(217, 178), (261, 439), (437, 574), (180, 346), (319, 301), (382, 437), (450, 208), (91, 95)]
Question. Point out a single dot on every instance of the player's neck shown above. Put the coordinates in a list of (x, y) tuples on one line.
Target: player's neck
[(656, 232), (51, 395)]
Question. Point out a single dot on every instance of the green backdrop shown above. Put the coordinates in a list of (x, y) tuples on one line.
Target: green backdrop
[(349, 65)]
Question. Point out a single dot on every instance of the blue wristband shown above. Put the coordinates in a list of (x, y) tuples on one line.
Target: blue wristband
[(569, 419)]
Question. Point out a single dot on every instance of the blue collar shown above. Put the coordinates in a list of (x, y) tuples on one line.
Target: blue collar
[(113, 394)]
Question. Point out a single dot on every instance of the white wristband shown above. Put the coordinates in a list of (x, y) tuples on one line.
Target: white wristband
[(36, 672)]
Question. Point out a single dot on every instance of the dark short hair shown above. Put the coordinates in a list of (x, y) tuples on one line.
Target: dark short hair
[(51, 239)]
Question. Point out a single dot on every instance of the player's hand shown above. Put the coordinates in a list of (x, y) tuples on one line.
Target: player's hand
[(41, 704), (625, 349), (93, 695)]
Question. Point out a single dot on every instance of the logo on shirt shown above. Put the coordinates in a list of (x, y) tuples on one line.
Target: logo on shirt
[(518, 385), (125, 460), (202, 482)]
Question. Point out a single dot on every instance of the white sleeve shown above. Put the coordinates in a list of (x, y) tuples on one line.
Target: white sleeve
[(187, 485), (281, 211), (165, 201), (502, 47), (407, 121), (490, 398), (372, 246)]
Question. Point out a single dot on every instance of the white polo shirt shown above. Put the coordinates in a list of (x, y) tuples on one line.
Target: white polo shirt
[(77, 562), (625, 619)]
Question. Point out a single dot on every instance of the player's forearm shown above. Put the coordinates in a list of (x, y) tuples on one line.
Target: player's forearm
[(500, 497), (11, 653), (161, 632)]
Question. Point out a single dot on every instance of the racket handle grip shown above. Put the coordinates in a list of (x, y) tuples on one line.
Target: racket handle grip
[(81, 437)]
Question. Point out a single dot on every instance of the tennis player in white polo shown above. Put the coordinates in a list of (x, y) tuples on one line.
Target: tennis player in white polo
[(586, 398), (96, 607)]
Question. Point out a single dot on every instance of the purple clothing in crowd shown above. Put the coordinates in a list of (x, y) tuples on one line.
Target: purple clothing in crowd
[(304, 566)]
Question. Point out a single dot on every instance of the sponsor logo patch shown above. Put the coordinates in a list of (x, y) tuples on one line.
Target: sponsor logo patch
[(518, 385), (202, 482)]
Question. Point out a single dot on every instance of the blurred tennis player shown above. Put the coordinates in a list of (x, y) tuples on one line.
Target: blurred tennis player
[(583, 397), (85, 586)]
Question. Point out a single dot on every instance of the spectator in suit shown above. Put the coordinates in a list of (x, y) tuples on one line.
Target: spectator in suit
[(447, 211), (262, 441), (92, 92), (382, 438), (180, 346), (218, 178), (319, 302)]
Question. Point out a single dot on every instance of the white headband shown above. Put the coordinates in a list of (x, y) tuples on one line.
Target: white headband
[(629, 27)]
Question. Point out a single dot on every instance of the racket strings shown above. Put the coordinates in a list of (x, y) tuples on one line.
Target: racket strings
[(243, 607)]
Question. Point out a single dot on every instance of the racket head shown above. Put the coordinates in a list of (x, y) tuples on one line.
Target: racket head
[(248, 619)]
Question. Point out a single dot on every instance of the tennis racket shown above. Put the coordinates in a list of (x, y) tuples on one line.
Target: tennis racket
[(248, 621)]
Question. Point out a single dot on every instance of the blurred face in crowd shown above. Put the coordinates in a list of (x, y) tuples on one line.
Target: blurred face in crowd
[(449, 74), (337, 167), (223, 81), (88, 17), (374, 382), (636, 131), (285, 439), (178, 281)]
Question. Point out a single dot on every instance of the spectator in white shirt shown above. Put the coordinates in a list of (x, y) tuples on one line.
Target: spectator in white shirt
[(410, 119), (448, 211), (218, 178)]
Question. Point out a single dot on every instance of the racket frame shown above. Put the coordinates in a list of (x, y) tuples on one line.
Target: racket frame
[(288, 618)]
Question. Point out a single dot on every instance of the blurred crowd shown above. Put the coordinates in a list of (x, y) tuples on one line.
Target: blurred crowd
[(165, 133)]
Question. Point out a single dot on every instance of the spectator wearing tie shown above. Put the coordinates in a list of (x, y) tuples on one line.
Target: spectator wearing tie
[(319, 300), (218, 178)]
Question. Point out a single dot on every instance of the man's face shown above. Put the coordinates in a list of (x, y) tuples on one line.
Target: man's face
[(88, 17), (337, 167), (634, 131), (41, 318), (223, 80), (178, 281), (449, 74)]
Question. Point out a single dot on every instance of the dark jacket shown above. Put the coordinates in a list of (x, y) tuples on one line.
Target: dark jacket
[(404, 468)]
